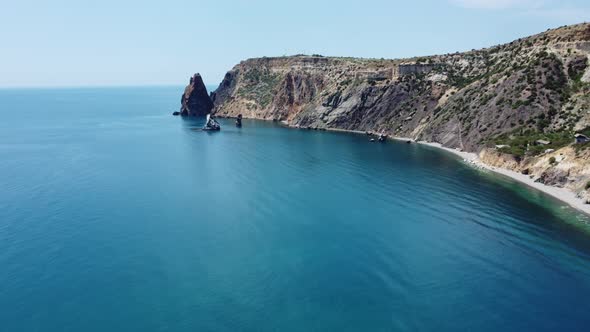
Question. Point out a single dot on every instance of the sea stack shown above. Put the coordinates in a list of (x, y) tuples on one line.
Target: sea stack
[(239, 120), (195, 99)]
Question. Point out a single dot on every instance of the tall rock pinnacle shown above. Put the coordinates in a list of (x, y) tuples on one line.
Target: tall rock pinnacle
[(195, 99)]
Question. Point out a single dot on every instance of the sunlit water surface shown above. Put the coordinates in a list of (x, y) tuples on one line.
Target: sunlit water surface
[(116, 216)]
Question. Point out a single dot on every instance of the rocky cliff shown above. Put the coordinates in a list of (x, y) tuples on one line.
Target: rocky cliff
[(195, 100), (521, 99)]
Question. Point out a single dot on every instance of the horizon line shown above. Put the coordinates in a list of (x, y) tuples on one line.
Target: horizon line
[(92, 86)]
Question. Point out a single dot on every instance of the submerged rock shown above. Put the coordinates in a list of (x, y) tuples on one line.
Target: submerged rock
[(195, 99)]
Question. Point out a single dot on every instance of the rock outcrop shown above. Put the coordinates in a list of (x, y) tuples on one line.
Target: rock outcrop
[(195, 99), (568, 167), (510, 95)]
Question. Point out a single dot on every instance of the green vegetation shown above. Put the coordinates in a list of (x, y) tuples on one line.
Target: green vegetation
[(345, 83), (552, 160), (259, 85), (516, 104), (460, 81), (542, 122), (577, 85), (486, 98), (522, 142), (582, 146), (585, 131)]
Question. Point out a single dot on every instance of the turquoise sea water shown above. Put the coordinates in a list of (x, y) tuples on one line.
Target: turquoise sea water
[(116, 216)]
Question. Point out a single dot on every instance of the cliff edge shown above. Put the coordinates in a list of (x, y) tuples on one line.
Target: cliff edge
[(524, 100)]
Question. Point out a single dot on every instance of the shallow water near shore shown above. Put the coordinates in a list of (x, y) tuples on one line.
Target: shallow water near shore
[(114, 215)]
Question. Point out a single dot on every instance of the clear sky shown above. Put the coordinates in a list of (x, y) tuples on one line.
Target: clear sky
[(119, 42)]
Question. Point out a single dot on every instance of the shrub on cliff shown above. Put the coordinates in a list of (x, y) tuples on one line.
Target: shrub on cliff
[(521, 142)]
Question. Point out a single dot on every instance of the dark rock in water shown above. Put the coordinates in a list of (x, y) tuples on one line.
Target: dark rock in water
[(239, 120), (212, 125), (176, 113), (195, 99)]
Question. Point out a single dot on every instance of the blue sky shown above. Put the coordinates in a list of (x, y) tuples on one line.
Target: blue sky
[(118, 42)]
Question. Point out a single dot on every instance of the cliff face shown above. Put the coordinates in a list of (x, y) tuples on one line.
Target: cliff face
[(568, 167), (512, 95), (195, 100)]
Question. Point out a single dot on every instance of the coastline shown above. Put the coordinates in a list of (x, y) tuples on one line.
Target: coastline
[(562, 194)]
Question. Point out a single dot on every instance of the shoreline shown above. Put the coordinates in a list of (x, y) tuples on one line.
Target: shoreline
[(564, 195), (472, 159)]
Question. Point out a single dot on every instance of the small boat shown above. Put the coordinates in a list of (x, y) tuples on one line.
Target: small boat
[(211, 124)]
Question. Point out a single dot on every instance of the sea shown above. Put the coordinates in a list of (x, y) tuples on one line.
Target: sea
[(117, 216)]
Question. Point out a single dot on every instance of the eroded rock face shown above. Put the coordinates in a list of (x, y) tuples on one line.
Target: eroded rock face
[(497, 159), (462, 100), (566, 167), (195, 100)]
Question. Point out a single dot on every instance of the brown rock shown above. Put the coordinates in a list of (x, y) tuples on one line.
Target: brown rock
[(195, 99)]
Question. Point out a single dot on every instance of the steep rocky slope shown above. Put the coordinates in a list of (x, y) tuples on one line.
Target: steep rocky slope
[(512, 95)]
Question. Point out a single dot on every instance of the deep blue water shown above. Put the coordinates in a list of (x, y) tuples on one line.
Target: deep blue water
[(116, 216)]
